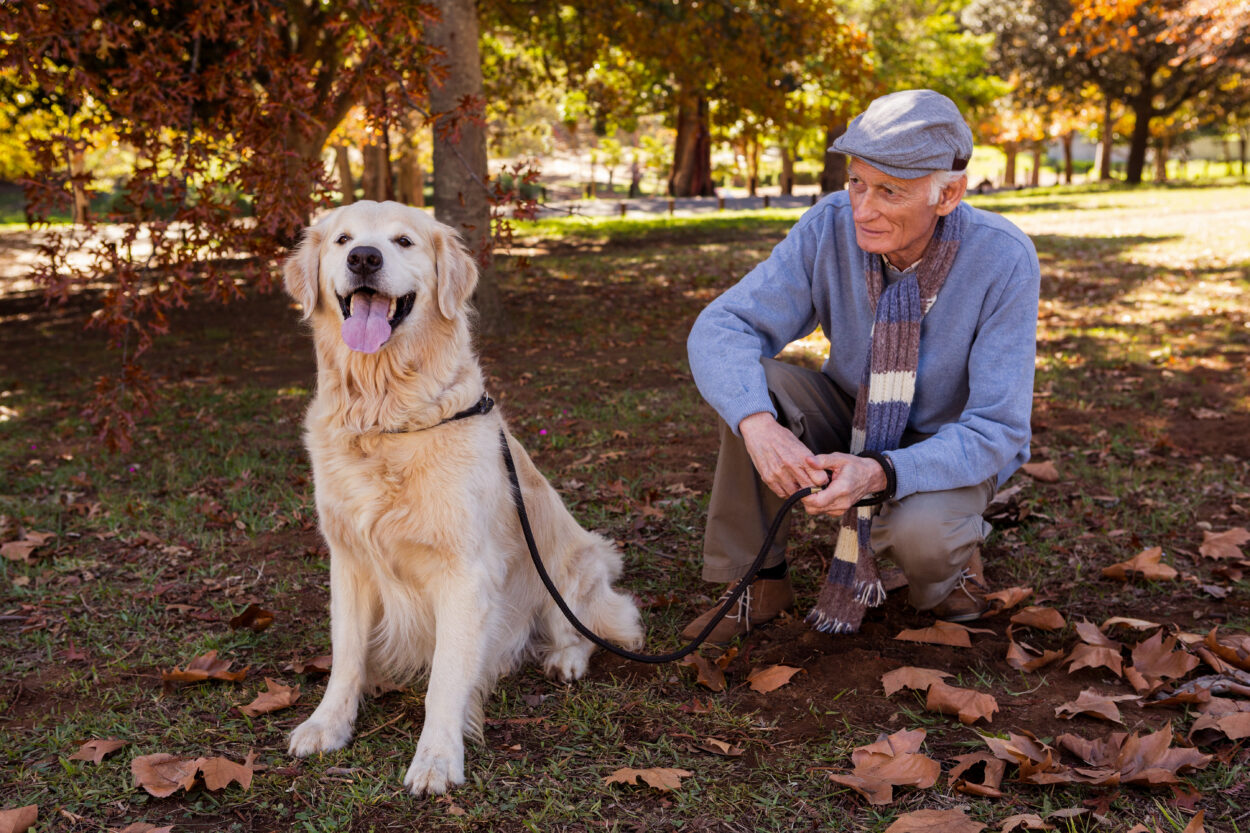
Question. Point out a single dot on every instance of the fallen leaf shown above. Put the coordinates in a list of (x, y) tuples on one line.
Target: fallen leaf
[(663, 779), (219, 773), (1231, 649), (935, 821), (939, 633), (254, 617), (911, 677), (968, 705), (1196, 824), (771, 678), (1020, 660), (276, 696), (1024, 821), (890, 761), (1044, 471), (1146, 563), (316, 665), (204, 667), (1091, 635), (1225, 544), (1092, 703), (1156, 661), (1094, 656), (22, 549), (990, 782), (1235, 726), (1136, 624), (1147, 760), (19, 819), (1045, 618), (719, 747), (1010, 597), (144, 827), (163, 774), (97, 750), (707, 674)]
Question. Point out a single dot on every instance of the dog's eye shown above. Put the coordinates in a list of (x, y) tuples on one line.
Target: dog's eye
[(342, 238), (403, 241)]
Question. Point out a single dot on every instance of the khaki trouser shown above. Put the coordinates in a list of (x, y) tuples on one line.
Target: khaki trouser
[(929, 535)]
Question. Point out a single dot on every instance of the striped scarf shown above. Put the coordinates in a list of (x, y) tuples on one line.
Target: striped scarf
[(881, 409)]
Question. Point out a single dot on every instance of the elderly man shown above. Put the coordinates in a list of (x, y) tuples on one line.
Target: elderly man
[(921, 409)]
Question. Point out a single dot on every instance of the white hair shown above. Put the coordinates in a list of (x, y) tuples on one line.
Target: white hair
[(939, 181)]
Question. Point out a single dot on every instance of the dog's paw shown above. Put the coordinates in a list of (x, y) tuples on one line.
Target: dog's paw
[(315, 735), (568, 663), (434, 770)]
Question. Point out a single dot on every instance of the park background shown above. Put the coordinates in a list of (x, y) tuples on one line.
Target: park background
[(610, 164)]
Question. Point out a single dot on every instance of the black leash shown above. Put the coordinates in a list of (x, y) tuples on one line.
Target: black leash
[(594, 637)]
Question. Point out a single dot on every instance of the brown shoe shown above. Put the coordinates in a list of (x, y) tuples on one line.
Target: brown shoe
[(967, 602), (762, 601)]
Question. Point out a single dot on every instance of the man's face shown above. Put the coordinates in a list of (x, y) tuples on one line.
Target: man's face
[(892, 216)]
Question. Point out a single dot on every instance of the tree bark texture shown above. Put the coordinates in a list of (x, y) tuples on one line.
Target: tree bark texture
[(1009, 172), (833, 176), (692, 153), (1143, 111), (77, 172), (343, 167), (376, 173), (1066, 141), (787, 171), (460, 191), (1108, 140)]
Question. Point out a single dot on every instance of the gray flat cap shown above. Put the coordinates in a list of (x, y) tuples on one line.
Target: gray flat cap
[(909, 134)]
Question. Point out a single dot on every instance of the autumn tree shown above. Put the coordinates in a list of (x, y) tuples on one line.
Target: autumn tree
[(226, 108)]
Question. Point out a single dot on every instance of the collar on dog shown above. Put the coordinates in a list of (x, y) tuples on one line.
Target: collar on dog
[(481, 407)]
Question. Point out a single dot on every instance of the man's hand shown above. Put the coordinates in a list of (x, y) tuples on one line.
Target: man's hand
[(854, 478), (783, 462)]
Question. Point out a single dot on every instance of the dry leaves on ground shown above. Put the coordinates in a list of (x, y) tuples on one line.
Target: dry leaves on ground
[(771, 678), (97, 750), (991, 780), (935, 821), (1225, 544), (911, 677), (24, 547), (1092, 703), (1045, 618), (254, 617), (316, 665), (144, 827), (19, 819), (942, 633), (890, 761), (707, 674), (1146, 563), (1234, 726), (1024, 821), (1010, 597), (162, 774), (1155, 662), (664, 779), (276, 696), (1044, 471), (204, 667), (1119, 758), (1019, 658), (968, 705)]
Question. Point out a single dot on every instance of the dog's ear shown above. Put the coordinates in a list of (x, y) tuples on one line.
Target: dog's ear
[(301, 272), (456, 272)]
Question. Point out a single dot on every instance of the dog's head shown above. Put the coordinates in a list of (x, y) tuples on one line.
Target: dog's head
[(379, 267)]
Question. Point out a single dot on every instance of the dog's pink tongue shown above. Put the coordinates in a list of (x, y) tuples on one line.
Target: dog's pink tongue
[(367, 329)]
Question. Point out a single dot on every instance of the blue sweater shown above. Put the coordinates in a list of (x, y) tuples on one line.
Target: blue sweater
[(974, 385)]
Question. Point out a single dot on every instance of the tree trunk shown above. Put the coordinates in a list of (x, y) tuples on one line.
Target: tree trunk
[(1066, 140), (461, 199), (753, 166), (1035, 179), (692, 153), (833, 175), (343, 166), (376, 173), (78, 180), (1241, 143), (1108, 139), (1161, 159), (1009, 173), (787, 171), (1140, 141)]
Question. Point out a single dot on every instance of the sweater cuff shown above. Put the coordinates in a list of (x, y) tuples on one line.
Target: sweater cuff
[(744, 407), (906, 478)]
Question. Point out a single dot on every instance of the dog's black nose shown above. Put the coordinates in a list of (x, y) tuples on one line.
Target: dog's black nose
[(364, 260)]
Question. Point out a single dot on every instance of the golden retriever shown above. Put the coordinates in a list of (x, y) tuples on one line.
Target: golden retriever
[(429, 572)]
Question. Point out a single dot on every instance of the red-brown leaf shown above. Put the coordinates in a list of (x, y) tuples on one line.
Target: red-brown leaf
[(771, 678), (1226, 544), (664, 779), (911, 677), (1045, 618), (935, 821), (1146, 563), (97, 750), (968, 705), (163, 774), (276, 696), (19, 819)]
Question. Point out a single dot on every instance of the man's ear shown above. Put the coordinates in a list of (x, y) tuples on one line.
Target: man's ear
[(301, 272), (951, 196), (455, 270)]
